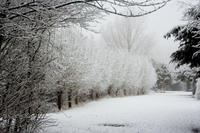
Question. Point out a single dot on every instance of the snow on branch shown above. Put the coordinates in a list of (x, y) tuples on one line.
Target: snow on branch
[(31, 16)]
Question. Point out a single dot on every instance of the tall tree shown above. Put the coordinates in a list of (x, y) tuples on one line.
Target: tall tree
[(188, 36)]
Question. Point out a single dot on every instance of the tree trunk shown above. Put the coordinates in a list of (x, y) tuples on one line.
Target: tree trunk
[(77, 100), (125, 92), (97, 95), (109, 90), (70, 98), (59, 99), (194, 87), (92, 94), (117, 92)]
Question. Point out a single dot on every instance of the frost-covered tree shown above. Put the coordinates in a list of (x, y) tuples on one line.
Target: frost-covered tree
[(64, 73), (127, 35), (22, 73), (164, 78), (188, 75), (94, 68)]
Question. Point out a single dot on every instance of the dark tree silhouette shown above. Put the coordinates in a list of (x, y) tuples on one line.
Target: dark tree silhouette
[(189, 40), (188, 36)]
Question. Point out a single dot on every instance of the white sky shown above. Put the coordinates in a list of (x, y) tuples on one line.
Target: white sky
[(159, 23)]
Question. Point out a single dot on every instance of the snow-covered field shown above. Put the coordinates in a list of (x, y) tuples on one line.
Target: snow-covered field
[(170, 112)]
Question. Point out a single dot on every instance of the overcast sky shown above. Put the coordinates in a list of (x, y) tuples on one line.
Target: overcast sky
[(158, 24)]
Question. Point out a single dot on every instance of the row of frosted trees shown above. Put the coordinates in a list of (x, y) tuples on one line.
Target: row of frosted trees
[(86, 68), (27, 52)]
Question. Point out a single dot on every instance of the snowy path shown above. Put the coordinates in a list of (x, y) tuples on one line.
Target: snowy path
[(171, 112)]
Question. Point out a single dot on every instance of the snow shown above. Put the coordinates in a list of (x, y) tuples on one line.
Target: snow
[(170, 112)]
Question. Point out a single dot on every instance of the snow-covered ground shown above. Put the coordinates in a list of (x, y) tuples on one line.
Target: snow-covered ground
[(170, 112)]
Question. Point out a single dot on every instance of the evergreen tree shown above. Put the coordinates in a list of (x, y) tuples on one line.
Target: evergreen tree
[(188, 36)]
